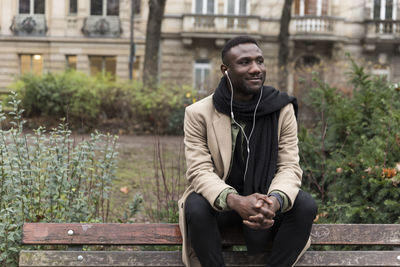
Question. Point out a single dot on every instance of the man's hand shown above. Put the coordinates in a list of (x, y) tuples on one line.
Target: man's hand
[(257, 210)]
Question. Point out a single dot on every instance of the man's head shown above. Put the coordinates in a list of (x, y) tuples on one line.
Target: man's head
[(242, 59)]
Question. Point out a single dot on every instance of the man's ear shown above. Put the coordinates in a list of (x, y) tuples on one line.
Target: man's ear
[(223, 68)]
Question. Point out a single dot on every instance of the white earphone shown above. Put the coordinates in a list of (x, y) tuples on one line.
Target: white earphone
[(247, 138)]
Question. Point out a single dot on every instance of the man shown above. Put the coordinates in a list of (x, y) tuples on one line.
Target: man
[(243, 166)]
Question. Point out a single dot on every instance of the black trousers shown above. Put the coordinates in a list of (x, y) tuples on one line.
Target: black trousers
[(289, 234)]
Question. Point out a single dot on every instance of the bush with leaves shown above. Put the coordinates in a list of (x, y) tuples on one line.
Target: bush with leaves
[(71, 94), (88, 102), (49, 177), (351, 158)]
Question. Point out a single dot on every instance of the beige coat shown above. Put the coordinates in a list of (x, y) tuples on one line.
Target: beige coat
[(208, 151)]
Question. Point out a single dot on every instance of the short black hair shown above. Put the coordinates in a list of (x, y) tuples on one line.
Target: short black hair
[(243, 39)]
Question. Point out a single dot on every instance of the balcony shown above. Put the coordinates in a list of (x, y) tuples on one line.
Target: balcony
[(100, 26), (29, 25), (210, 25), (383, 30), (315, 28)]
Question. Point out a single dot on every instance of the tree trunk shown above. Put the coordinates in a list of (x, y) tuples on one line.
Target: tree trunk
[(283, 41), (153, 37)]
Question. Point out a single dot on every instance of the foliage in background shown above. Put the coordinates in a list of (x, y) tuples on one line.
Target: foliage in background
[(351, 158), (49, 177), (70, 94), (88, 102)]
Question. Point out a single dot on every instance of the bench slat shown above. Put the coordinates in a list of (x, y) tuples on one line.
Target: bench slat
[(169, 234), (356, 234), (173, 258), (99, 234)]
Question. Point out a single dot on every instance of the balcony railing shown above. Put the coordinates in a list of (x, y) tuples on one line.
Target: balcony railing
[(314, 25), (199, 23), (99, 26), (383, 29), (29, 25)]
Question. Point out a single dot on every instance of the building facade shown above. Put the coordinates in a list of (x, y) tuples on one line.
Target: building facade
[(51, 35), (93, 36), (322, 32)]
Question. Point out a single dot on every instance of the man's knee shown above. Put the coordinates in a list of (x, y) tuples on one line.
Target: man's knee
[(197, 208), (305, 205)]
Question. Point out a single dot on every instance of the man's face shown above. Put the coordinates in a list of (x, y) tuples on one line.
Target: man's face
[(246, 70)]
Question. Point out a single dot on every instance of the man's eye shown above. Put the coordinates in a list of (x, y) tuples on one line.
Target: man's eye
[(260, 61), (244, 62)]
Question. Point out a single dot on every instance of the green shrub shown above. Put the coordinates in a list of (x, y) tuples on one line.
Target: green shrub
[(70, 94), (351, 158), (88, 102), (49, 177)]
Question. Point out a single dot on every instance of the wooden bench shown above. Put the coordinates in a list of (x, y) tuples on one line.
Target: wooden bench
[(77, 235)]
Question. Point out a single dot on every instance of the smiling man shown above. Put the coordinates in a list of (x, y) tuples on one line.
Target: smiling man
[(243, 166)]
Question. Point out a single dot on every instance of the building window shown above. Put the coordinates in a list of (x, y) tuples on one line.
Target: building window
[(31, 64), (311, 7), (382, 72), (236, 7), (202, 70), (71, 61), (31, 6), (383, 9), (204, 6), (136, 68), (102, 64), (104, 7), (137, 6), (73, 7)]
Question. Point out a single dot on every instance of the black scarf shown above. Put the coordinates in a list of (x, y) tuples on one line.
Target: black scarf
[(264, 141)]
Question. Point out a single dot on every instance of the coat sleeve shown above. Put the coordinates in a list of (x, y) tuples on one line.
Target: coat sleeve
[(288, 176), (200, 167)]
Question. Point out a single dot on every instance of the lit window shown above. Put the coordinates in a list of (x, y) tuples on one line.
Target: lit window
[(103, 64), (31, 64), (73, 7), (202, 70), (383, 9), (204, 6), (135, 69), (311, 7), (31, 6), (71, 62), (104, 7)]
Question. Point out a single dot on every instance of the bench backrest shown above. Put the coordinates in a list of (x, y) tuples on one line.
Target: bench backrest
[(169, 234)]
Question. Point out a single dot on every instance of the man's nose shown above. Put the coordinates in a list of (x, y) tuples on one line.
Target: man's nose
[(255, 68)]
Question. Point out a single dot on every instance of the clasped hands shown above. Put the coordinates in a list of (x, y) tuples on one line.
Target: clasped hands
[(257, 210)]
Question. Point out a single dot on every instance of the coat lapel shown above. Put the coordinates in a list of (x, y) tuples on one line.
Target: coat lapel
[(222, 130)]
